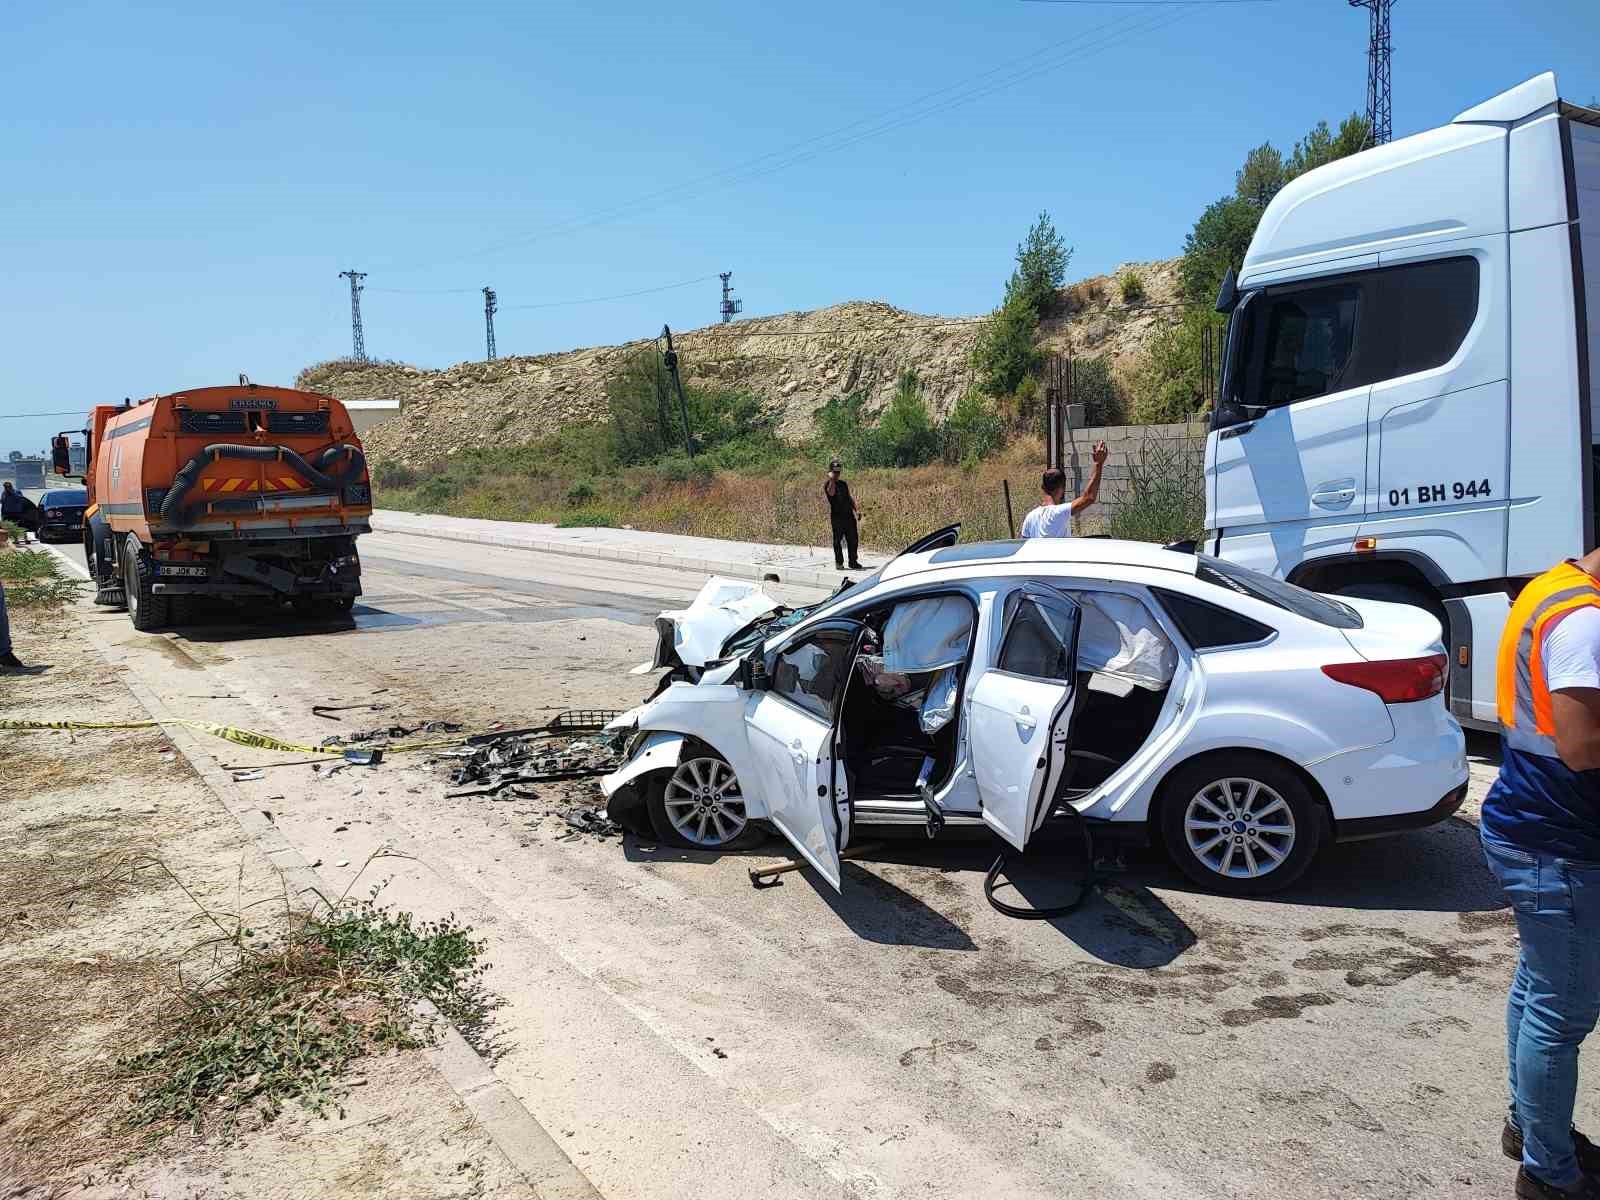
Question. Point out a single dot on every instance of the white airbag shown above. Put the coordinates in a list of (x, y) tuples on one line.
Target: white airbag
[(1119, 637)]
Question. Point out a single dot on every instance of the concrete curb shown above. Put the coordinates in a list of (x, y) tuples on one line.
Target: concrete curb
[(515, 539), (515, 1131)]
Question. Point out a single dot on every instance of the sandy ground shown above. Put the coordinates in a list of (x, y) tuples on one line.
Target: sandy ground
[(90, 926), (678, 1031)]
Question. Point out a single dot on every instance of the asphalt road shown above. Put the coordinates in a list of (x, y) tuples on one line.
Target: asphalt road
[(682, 1034)]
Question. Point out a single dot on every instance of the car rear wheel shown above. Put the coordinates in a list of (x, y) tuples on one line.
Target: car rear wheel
[(700, 806), (1243, 824)]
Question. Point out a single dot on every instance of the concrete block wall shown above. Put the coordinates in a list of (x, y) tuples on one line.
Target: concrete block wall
[(1185, 441)]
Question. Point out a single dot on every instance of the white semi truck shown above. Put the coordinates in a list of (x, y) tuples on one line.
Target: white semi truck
[(1409, 400)]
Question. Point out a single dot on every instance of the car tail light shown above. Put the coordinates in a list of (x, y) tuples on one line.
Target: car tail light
[(1396, 680)]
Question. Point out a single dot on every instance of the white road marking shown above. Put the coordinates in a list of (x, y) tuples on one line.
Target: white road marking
[(81, 570)]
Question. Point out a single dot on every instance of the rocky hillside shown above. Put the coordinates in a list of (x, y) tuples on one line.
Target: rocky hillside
[(795, 361)]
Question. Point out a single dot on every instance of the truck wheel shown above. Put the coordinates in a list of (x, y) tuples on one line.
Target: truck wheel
[(148, 611)]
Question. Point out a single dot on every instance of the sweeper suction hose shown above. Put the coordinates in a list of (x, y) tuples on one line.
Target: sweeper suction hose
[(313, 472)]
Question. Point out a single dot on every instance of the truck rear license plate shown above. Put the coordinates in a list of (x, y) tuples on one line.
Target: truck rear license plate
[(169, 569)]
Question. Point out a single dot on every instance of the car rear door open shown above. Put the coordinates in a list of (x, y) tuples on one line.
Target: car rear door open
[(1021, 709)]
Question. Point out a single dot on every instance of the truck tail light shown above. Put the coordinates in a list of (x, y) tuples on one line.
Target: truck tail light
[(1395, 680)]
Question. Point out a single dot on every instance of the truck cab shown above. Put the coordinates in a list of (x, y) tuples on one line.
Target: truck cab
[(1407, 408)]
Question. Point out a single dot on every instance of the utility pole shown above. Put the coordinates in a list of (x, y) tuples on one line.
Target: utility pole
[(358, 343), (729, 304), (1379, 52), (489, 307), (671, 359)]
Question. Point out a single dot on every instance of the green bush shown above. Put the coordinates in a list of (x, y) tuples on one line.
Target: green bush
[(1098, 391), (1170, 381), (972, 431), (842, 428), (436, 492), (580, 493), (1132, 285), (587, 518), (678, 467), (395, 475), (905, 435), (1165, 499)]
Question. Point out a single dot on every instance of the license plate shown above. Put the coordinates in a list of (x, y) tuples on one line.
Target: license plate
[(188, 572)]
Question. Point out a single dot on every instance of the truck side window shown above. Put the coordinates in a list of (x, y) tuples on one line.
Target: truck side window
[(1431, 306), (1310, 335)]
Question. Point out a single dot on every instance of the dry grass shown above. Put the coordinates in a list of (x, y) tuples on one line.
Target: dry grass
[(784, 506)]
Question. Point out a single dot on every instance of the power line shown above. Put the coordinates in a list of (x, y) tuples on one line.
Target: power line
[(666, 287), (29, 416), (913, 111)]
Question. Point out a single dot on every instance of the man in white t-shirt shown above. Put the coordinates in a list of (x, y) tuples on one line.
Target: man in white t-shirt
[(1053, 517)]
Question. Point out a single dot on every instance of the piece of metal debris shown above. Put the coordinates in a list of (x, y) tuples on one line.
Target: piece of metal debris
[(326, 711), (247, 776)]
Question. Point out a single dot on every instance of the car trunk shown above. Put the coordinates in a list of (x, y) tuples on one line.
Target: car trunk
[(1392, 631)]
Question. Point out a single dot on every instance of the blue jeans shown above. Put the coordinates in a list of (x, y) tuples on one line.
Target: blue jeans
[(5, 623), (1555, 997)]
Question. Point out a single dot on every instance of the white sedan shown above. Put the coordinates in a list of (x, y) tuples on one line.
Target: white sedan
[(1239, 721)]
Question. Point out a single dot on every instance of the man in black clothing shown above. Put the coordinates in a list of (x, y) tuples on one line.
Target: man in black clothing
[(843, 514), (17, 508)]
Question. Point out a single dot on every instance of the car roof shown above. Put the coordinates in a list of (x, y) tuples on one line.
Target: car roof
[(76, 493), (1018, 555)]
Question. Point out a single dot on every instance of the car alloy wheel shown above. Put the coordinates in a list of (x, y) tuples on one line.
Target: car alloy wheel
[(703, 802), (1240, 828)]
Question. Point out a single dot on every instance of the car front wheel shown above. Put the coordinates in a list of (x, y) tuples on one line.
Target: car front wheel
[(1243, 824), (699, 805)]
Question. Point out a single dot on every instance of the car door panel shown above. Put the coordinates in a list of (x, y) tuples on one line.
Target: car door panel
[(791, 748), (790, 730), (1021, 710)]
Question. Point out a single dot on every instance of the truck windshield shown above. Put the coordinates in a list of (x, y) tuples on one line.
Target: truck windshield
[(1228, 409), (1312, 605)]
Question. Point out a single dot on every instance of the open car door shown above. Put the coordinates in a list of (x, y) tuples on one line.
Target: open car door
[(791, 735), (1021, 709)]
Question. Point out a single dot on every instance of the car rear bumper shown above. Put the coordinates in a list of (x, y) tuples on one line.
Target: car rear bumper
[(1398, 785), (1359, 828)]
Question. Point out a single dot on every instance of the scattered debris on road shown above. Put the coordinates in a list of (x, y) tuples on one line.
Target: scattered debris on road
[(387, 733)]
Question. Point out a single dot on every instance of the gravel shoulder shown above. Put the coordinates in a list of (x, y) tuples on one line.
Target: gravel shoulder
[(97, 829)]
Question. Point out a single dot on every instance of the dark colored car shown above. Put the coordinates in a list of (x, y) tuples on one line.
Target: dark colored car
[(61, 515)]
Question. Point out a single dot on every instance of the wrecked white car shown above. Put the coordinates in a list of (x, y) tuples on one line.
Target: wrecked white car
[(1237, 720), (728, 617)]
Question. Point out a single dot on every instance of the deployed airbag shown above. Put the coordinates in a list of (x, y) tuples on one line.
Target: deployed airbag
[(927, 635), (1119, 637)]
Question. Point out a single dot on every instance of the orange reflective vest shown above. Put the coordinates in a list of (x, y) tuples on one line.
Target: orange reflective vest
[(1521, 694)]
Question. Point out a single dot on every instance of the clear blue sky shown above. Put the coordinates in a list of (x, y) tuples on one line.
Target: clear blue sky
[(183, 182)]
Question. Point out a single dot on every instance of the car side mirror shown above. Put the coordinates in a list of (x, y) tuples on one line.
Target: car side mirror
[(753, 673)]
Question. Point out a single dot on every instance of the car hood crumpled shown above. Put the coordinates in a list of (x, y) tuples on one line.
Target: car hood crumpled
[(720, 610)]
